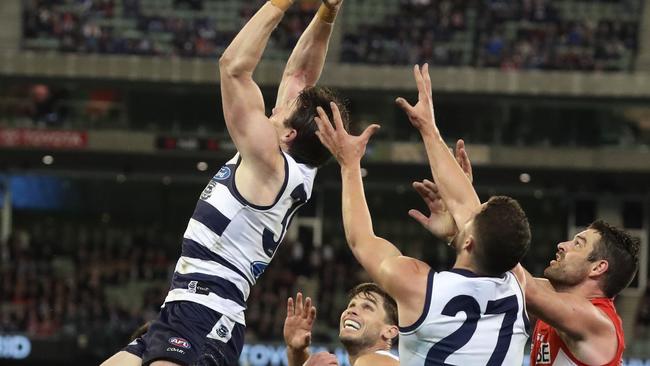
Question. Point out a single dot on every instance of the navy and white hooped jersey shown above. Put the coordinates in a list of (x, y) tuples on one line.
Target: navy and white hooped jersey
[(229, 242), (468, 320)]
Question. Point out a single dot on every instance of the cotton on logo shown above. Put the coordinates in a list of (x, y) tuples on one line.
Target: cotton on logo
[(179, 342)]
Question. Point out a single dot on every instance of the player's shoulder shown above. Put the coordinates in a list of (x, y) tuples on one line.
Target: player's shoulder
[(377, 358)]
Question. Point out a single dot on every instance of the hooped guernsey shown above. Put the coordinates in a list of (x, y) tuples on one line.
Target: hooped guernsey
[(229, 241)]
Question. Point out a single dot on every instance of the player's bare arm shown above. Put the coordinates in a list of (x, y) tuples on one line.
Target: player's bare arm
[(348, 150), (585, 329), (297, 329), (308, 56), (380, 258), (454, 186), (243, 105)]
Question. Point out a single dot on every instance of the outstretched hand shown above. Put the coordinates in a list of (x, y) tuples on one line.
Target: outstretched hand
[(346, 148), (440, 221), (421, 115), (299, 322)]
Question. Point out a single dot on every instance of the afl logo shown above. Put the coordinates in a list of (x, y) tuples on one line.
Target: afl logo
[(179, 342), (223, 173)]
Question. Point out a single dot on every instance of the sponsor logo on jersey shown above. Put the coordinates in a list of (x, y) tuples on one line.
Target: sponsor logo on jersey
[(222, 331), (196, 287), (544, 354), (223, 173), (174, 349), (179, 342)]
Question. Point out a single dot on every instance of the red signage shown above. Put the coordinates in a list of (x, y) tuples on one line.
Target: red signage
[(51, 139)]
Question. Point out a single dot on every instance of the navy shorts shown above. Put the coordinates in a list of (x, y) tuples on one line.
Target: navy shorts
[(190, 334)]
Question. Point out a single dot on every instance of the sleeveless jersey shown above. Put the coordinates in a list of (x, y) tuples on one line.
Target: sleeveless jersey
[(548, 348), (468, 320), (229, 242)]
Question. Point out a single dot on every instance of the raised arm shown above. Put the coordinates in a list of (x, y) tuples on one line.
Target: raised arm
[(308, 57), (369, 249), (243, 105), (454, 186), (297, 329)]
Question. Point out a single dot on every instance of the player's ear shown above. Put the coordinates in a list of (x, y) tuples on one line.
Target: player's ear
[(469, 243), (390, 332), (599, 267), (288, 135)]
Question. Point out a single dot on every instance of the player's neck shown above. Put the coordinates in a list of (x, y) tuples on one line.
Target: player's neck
[(354, 354), (464, 262), (587, 289)]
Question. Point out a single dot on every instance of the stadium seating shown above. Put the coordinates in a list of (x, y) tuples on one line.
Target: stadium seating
[(541, 34)]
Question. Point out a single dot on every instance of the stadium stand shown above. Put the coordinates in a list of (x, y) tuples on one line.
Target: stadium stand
[(533, 34)]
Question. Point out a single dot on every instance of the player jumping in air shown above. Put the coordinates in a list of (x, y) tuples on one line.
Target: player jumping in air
[(243, 213)]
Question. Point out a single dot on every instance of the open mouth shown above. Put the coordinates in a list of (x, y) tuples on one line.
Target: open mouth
[(351, 324)]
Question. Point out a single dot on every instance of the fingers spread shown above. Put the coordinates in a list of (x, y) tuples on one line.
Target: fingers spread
[(307, 308), (427, 78), (290, 308), (299, 303), (418, 216), (402, 103), (369, 131), (338, 121)]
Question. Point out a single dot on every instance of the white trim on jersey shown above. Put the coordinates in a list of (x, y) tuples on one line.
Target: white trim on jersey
[(219, 304)]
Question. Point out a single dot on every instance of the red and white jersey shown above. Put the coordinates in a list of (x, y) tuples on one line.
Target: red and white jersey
[(549, 349)]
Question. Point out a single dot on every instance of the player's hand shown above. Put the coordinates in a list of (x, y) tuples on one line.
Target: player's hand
[(421, 115), (322, 359), (299, 322), (333, 4), (347, 149), (440, 222)]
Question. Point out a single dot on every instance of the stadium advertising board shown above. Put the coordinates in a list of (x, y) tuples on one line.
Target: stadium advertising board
[(37, 138)]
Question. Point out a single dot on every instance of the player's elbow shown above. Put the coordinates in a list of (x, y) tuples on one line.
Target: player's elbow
[(231, 67)]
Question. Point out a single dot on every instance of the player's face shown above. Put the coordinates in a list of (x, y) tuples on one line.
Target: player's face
[(363, 321), (571, 265)]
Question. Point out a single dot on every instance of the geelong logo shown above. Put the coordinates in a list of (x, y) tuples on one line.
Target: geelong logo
[(179, 342)]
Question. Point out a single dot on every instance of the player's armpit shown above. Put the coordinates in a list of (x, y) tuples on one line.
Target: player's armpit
[(405, 279)]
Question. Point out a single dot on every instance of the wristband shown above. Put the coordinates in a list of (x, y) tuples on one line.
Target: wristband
[(282, 4), (327, 14)]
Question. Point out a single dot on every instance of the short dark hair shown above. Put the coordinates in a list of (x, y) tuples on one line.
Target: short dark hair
[(369, 289), (306, 148), (621, 251), (502, 235)]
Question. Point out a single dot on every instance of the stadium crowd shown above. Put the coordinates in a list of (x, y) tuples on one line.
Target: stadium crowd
[(529, 34), (107, 282)]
